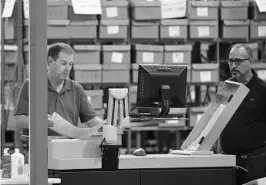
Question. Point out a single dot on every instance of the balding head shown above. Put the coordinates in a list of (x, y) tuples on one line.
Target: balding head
[(241, 50)]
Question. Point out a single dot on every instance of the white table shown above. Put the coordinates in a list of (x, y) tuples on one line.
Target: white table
[(51, 181)]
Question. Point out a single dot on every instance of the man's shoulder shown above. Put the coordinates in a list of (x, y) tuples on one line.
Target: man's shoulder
[(76, 85)]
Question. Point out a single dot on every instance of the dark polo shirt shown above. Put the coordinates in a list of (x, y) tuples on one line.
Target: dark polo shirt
[(71, 103), (246, 130)]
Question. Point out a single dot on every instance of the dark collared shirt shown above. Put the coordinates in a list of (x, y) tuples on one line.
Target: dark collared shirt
[(71, 103), (246, 130)]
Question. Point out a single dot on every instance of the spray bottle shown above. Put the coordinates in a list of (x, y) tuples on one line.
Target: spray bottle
[(6, 164)]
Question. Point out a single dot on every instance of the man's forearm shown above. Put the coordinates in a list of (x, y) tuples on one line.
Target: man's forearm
[(94, 122), (22, 121)]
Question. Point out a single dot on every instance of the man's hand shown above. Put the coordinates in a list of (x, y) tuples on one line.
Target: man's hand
[(50, 122)]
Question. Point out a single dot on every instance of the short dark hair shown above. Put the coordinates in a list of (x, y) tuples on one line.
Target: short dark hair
[(55, 48), (245, 46)]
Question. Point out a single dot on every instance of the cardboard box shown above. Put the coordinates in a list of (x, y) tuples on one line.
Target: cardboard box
[(87, 54), (57, 10), (88, 73), (114, 29), (235, 29), (256, 14), (58, 29), (174, 29), (177, 54), (10, 72), (83, 30), (135, 69), (203, 10), (195, 114), (114, 10), (144, 30), (9, 27), (10, 54), (146, 10), (79, 17), (203, 29), (116, 73), (116, 54), (216, 116), (149, 54), (258, 29), (205, 73), (95, 97), (255, 48), (234, 10)]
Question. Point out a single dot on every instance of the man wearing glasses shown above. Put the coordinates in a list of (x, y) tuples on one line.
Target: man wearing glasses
[(245, 134)]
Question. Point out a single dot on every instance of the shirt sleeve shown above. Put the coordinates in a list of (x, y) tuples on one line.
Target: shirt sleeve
[(87, 111), (22, 106)]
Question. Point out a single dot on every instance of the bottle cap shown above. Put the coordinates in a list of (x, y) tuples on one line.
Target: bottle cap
[(16, 150)]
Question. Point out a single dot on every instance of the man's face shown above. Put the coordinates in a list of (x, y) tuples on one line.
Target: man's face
[(239, 62), (61, 67)]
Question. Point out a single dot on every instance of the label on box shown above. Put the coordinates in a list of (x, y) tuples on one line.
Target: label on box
[(26, 9), (262, 74), (173, 8), (117, 57), (87, 6), (111, 12), (205, 76), (203, 31), (202, 11), (148, 57), (178, 57), (8, 8), (262, 31), (174, 31), (112, 29)]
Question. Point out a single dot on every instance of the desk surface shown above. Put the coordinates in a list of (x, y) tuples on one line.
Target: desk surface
[(151, 161), (26, 181)]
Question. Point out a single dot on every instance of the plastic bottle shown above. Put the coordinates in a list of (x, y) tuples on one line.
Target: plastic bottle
[(17, 165), (6, 164)]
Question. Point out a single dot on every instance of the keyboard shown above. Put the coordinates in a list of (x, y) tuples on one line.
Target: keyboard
[(154, 116)]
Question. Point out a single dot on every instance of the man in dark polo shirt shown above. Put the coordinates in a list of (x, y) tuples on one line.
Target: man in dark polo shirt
[(65, 96), (245, 133)]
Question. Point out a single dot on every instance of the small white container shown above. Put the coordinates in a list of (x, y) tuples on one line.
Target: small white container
[(17, 165)]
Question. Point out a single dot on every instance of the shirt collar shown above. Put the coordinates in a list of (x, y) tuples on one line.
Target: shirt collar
[(254, 76), (67, 85)]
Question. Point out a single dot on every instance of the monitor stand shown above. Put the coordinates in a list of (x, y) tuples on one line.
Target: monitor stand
[(165, 100)]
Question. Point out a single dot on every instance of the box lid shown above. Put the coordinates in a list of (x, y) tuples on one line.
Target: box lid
[(115, 22), (145, 3), (186, 47), (135, 66), (116, 47), (94, 92), (169, 22), (138, 23), (153, 48), (258, 23), (230, 4), (236, 23), (114, 3), (58, 3), (84, 23), (116, 67), (58, 22), (87, 67), (87, 47), (204, 3), (203, 23), (254, 45), (205, 66)]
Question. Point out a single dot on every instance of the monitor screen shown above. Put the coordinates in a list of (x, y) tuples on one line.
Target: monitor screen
[(162, 85)]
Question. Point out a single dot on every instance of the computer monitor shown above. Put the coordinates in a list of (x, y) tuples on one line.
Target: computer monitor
[(162, 86)]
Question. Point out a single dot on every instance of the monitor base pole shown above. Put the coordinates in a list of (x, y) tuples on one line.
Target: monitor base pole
[(165, 100)]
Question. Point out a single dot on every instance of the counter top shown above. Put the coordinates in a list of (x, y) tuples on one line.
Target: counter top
[(26, 181), (144, 162)]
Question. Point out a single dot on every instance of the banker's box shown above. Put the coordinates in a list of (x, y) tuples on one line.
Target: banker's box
[(114, 10), (256, 14), (203, 10), (174, 29), (87, 54), (205, 73), (144, 30), (148, 54), (146, 10), (235, 29), (116, 54), (260, 68), (177, 54), (88, 73), (95, 97), (234, 10), (258, 29), (116, 73), (114, 29), (203, 29)]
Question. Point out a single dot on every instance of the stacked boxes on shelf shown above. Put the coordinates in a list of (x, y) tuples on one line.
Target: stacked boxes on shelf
[(96, 99), (258, 24)]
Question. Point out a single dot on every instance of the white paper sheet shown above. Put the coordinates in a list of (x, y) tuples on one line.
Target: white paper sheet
[(8, 8), (173, 8), (87, 6)]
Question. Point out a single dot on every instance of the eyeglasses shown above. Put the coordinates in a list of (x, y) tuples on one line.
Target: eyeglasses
[(237, 61)]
